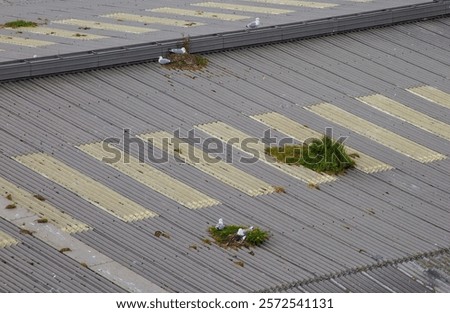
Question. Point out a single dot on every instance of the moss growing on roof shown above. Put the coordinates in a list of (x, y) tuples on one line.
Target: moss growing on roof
[(227, 237), (321, 155), (20, 23)]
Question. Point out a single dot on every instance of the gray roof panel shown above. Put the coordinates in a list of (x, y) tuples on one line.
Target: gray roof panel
[(50, 12), (359, 221), (32, 266)]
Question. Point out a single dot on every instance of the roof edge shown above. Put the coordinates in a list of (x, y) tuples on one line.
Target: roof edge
[(138, 53)]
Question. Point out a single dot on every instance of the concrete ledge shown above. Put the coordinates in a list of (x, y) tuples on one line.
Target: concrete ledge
[(89, 60), (79, 251)]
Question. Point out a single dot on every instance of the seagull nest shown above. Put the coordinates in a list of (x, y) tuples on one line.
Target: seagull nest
[(228, 238), (186, 61)]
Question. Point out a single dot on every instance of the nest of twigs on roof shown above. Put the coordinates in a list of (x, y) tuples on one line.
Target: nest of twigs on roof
[(186, 61), (228, 238)]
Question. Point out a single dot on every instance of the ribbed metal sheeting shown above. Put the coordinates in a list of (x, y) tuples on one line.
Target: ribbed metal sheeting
[(433, 271), (424, 275), (264, 214), (34, 266), (234, 39), (358, 220), (386, 279)]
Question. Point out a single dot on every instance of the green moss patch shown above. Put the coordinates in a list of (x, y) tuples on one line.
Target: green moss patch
[(321, 155), (20, 23), (227, 237)]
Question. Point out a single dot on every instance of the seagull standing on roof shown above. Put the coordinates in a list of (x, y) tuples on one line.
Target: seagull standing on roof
[(178, 51), (220, 225), (254, 24), (243, 232), (163, 61)]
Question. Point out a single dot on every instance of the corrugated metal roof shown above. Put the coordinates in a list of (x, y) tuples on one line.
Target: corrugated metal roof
[(424, 275), (121, 23), (357, 222), (33, 266)]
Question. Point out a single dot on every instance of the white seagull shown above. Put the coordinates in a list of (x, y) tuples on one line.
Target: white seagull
[(163, 61), (243, 232), (254, 24), (178, 51), (220, 225)]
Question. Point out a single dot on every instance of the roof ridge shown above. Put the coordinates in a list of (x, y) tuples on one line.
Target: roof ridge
[(138, 53), (364, 268)]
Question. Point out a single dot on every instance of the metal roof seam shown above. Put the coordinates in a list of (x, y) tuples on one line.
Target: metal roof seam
[(359, 270)]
